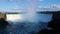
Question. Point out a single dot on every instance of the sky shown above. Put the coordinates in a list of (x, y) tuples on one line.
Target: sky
[(23, 4), (49, 2), (30, 6)]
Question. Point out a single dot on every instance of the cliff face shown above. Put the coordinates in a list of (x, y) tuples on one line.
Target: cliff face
[(3, 16), (54, 24), (56, 15), (55, 18)]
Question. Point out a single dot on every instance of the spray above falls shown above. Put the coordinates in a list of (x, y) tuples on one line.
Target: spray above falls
[(31, 10)]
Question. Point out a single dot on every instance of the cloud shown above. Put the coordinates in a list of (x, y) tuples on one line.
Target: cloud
[(13, 0), (52, 7), (55, 6)]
